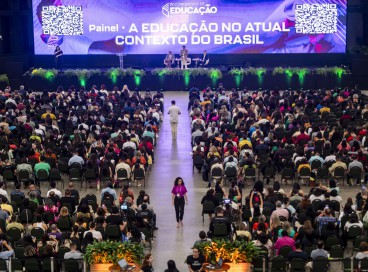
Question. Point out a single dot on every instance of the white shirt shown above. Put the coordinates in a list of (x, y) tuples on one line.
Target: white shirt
[(313, 197), (4, 193), (130, 144), (156, 115), (56, 191), (348, 225), (73, 255), (96, 234), (337, 198), (123, 165), (174, 112), (330, 158)]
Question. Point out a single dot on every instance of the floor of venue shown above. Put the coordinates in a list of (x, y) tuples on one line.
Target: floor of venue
[(173, 159)]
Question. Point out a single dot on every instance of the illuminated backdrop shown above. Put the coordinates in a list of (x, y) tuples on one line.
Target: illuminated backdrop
[(218, 26)]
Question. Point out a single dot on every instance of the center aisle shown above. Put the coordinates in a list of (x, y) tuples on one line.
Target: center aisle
[(172, 159)]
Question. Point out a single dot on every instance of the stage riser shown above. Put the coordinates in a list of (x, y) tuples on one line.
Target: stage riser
[(170, 83)]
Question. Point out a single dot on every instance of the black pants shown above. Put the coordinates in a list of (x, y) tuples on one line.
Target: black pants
[(59, 63), (179, 204)]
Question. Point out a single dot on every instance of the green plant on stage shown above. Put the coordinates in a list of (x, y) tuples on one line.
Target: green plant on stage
[(215, 73), (115, 73), (192, 72), (4, 78), (82, 74), (134, 72), (38, 72), (261, 71), (247, 71), (301, 72), (166, 72), (322, 71), (278, 70), (236, 72), (339, 71), (48, 74), (250, 71), (107, 252)]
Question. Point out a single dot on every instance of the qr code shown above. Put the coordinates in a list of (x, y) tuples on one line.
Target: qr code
[(316, 18), (62, 20)]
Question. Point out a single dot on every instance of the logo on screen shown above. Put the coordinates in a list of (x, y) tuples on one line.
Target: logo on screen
[(172, 9)]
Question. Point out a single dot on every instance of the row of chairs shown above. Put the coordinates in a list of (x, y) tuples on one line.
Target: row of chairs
[(320, 264), (287, 173), (280, 264), (75, 173), (36, 265)]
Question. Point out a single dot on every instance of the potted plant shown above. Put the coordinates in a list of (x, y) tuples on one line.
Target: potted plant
[(101, 256), (238, 254)]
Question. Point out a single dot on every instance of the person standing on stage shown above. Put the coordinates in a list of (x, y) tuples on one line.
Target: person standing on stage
[(179, 198), (174, 112), (184, 58), (203, 59), (169, 59), (58, 57)]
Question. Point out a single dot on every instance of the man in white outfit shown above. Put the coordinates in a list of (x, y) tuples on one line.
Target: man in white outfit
[(184, 58), (174, 112)]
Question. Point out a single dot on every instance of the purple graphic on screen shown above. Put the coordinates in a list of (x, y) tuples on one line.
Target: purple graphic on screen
[(218, 26)]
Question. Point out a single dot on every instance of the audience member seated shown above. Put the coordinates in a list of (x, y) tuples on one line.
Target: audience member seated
[(307, 235), (47, 240), (297, 253), (109, 189), (4, 215), (17, 191), (95, 234), (363, 251), (87, 240), (264, 241), (195, 261), (27, 240), (30, 252), (68, 198), (55, 232), (316, 253), (7, 251), (219, 218), (116, 219), (13, 223), (285, 240), (202, 238), (73, 253)]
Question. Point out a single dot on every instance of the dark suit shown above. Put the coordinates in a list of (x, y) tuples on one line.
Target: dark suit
[(203, 59)]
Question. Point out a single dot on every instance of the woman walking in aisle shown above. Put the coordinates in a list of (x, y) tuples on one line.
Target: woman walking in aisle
[(179, 197)]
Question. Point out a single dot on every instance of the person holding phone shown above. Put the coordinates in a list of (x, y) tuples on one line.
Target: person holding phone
[(256, 208), (179, 198)]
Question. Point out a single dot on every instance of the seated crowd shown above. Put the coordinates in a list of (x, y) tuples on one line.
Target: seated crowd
[(107, 139), (94, 137), (317, 137)]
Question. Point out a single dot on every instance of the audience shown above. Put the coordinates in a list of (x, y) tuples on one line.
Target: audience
[(111, 130)]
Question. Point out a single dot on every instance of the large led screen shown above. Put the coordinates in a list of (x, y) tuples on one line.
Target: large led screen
[(218, 26)]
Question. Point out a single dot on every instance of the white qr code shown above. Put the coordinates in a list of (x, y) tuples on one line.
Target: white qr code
[(62, 20), (316, 18)]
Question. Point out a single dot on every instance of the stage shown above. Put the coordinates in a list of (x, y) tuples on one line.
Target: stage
[(252, 78)]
